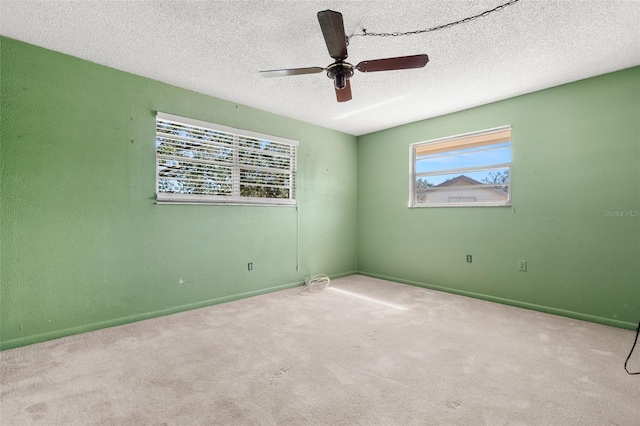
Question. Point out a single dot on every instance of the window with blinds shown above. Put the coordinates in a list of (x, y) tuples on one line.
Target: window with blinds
[(473, 169), (204, 163)]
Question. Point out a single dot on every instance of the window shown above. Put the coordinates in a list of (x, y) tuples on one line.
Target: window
[(473, 169), (205, 163)]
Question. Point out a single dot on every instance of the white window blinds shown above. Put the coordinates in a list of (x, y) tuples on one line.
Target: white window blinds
[(206, 163)]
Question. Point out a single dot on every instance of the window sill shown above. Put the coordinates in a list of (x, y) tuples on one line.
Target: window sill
[(226, 201)]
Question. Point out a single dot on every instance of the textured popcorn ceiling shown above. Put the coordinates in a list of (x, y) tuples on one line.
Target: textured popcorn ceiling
[(218, 47)]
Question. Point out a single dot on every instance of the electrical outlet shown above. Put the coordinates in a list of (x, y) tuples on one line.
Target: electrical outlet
[(522, 265), (469, 258)]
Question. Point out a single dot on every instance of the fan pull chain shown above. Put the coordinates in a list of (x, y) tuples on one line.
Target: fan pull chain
[(436, 28)]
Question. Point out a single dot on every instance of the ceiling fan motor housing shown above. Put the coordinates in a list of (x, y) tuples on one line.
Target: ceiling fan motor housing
[(340, 72)]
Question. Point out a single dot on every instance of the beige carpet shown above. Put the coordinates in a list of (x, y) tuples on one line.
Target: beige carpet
[(422, 358)]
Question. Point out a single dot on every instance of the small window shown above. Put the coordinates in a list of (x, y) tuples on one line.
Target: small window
[(473, 169), (204, 163)]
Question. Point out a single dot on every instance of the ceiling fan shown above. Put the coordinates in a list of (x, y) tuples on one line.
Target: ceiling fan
[(340, 71)]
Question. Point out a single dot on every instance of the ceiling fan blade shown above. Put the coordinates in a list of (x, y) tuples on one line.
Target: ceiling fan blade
[(344, 95), (333, 31), (388, 64), (291, 71)]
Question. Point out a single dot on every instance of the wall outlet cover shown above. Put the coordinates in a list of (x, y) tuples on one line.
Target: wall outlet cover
[(522, 265)]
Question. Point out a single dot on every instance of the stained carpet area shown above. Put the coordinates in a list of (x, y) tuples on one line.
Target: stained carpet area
[(363, 352)]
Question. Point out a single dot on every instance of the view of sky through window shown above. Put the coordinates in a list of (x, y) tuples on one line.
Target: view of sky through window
[(484, 160)]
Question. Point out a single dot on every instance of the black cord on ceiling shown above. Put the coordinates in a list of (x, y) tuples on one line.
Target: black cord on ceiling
[(498, 8)]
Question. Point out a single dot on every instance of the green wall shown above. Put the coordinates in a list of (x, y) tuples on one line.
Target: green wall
[(576, 166), (83, 244)]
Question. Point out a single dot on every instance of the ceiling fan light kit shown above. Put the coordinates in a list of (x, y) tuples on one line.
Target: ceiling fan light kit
[(339, 71)]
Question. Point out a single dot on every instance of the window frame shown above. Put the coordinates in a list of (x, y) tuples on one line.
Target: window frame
[(413, 203), (236, 181)]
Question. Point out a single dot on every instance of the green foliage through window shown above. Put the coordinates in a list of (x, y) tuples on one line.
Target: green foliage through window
[(206, 163)]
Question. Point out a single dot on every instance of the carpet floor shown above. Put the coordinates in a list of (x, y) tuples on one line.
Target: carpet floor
[(362, 352)]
